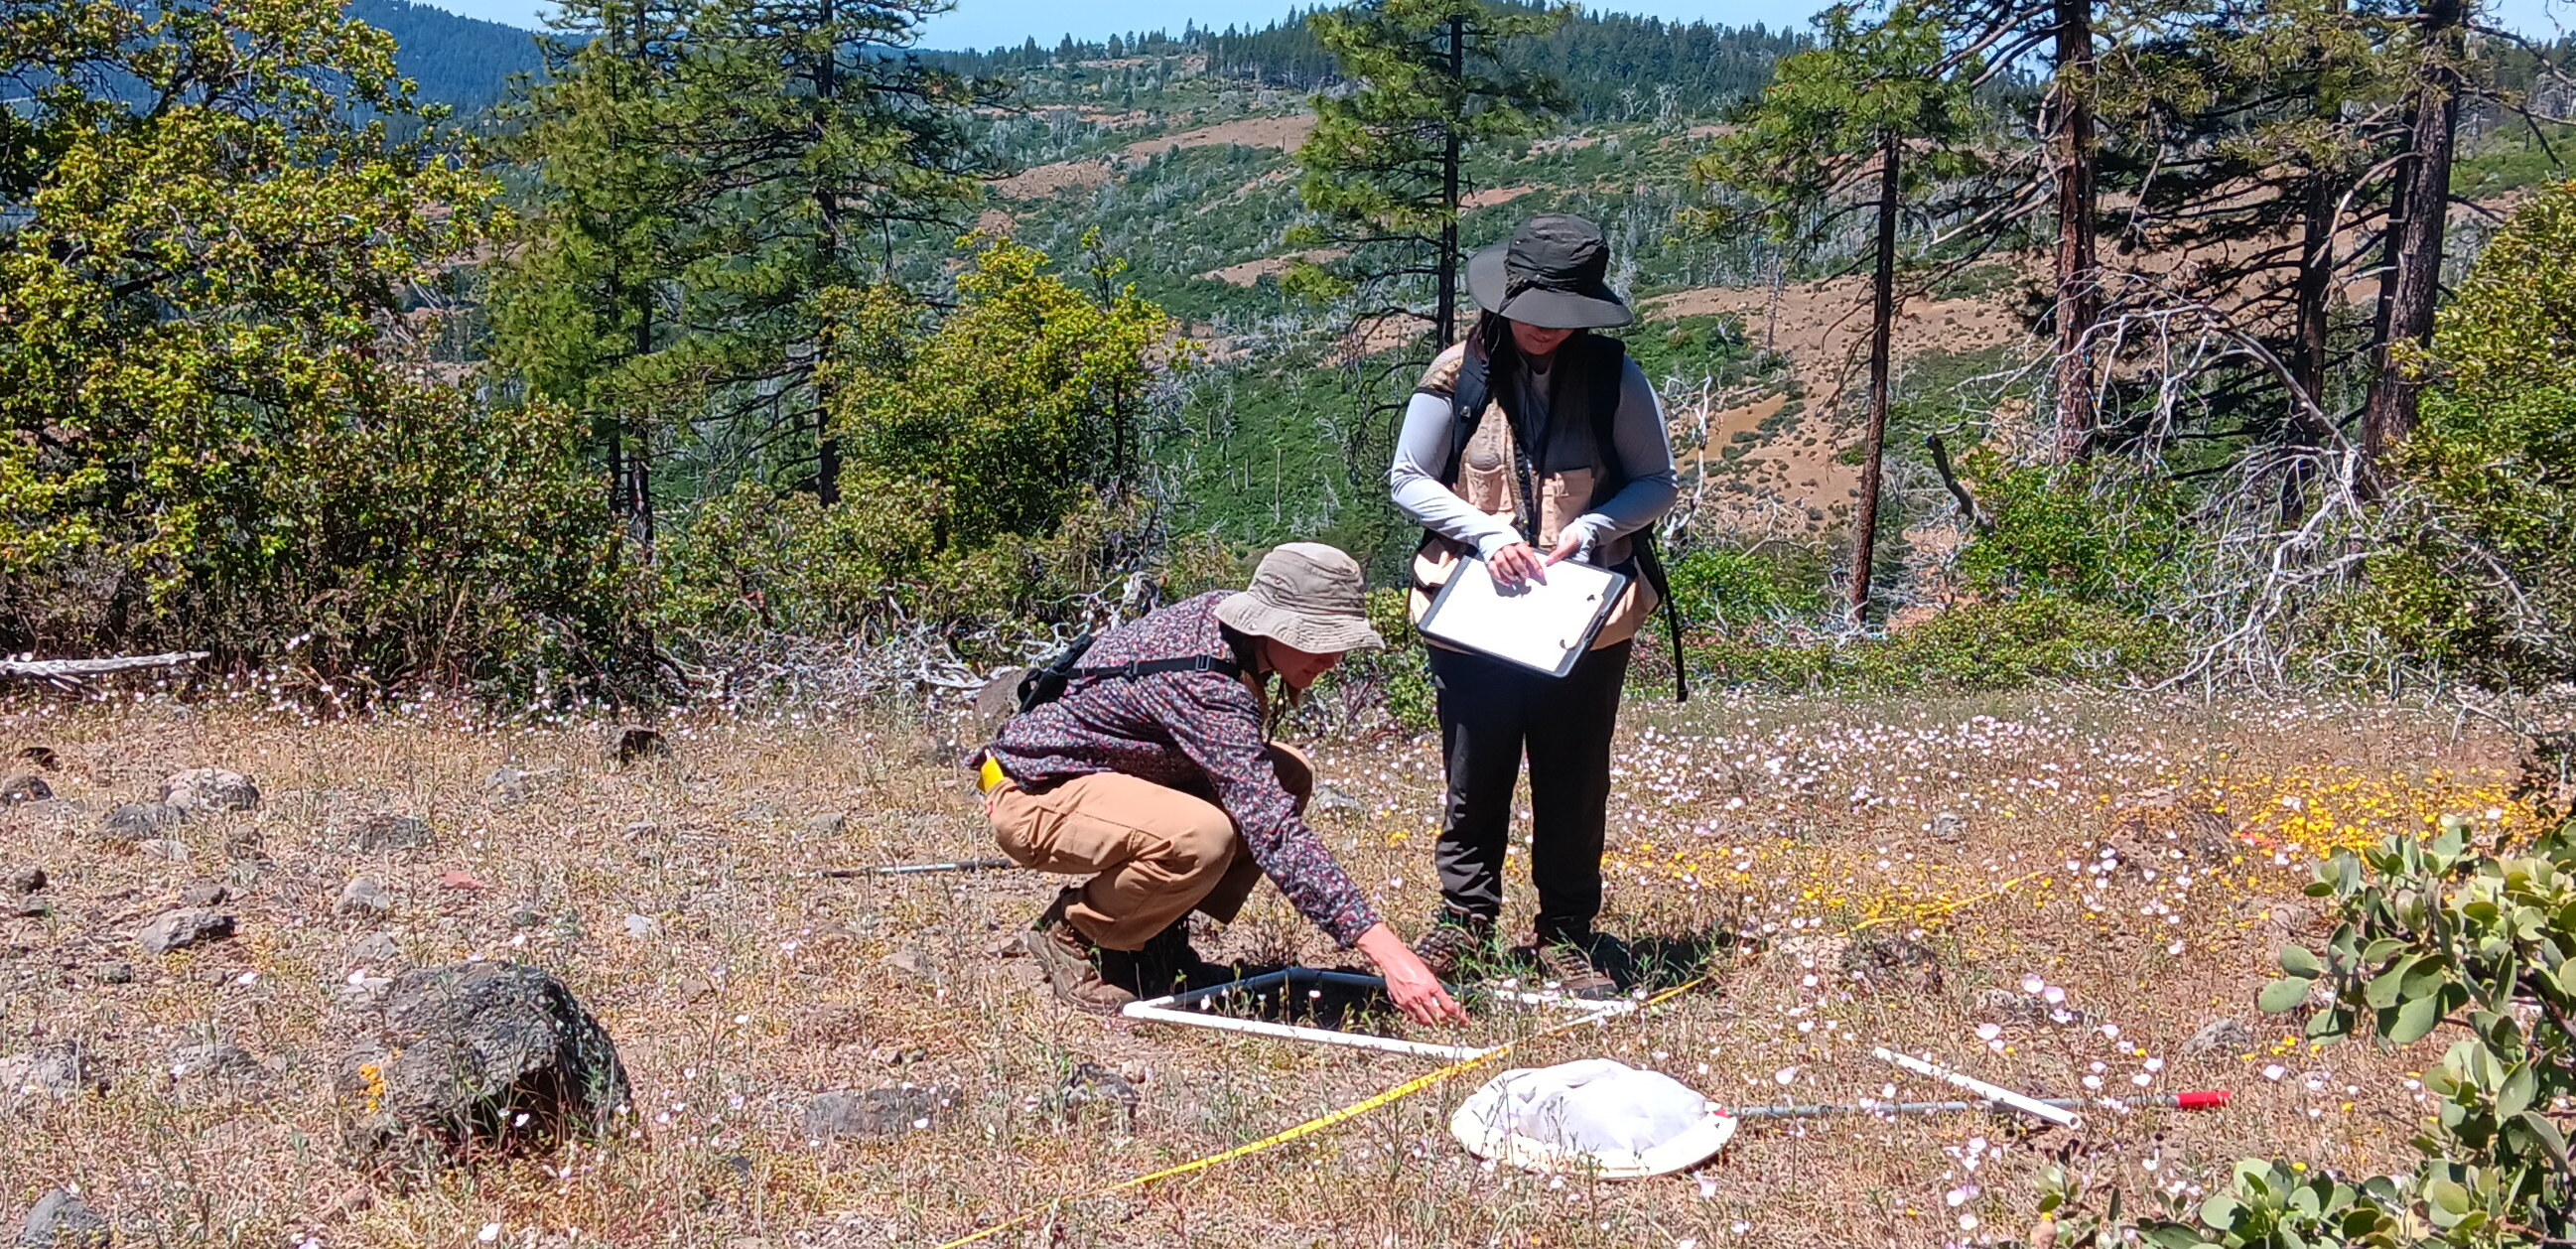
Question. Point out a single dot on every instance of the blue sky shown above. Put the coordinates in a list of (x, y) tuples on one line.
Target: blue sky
[(991, 23)]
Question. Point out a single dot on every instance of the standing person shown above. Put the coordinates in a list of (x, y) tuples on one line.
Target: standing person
[(1154, 775), (1533, 436)]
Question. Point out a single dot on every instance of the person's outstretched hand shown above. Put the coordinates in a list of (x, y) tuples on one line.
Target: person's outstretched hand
[(1416, 991)]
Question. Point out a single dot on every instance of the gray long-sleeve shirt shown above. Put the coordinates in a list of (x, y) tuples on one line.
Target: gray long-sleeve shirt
[(1645, 453)]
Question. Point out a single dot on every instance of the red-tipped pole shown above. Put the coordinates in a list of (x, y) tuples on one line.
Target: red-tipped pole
[(2197, 1099)]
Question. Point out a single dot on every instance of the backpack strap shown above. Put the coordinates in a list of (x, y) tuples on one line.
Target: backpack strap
[(1136, 668), (1608, 371)]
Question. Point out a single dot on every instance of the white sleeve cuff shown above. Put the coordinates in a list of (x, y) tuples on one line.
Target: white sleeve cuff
[(1487, 544)]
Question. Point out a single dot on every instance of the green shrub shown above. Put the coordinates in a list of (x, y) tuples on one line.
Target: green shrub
[(2482, 580), (1726, 587), (2094, 532), (2431, 937), (1991, 645)]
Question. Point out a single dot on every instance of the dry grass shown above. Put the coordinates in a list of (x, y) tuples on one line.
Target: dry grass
[(763, 984)]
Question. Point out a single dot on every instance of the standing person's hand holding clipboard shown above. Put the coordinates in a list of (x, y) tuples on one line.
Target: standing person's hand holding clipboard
[(1543, 623)]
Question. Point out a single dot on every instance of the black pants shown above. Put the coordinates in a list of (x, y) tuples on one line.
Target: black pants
[(1490, 711)]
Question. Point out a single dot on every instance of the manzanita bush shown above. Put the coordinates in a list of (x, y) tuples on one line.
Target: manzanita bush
[(2433, 936)]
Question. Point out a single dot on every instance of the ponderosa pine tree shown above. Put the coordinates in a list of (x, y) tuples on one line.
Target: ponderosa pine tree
[(1385, 168), (816, 135), (1867, 121), (587, 299)]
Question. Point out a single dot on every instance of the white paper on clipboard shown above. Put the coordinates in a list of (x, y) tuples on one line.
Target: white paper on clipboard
[(1542, 625)]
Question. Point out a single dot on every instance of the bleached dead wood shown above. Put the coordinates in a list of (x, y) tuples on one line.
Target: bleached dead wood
[(73, 675)]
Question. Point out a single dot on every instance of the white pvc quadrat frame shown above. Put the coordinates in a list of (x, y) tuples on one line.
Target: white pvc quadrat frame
[(1191, 1010)]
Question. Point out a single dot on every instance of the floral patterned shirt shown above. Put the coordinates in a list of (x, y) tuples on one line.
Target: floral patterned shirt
[(1196, 731)]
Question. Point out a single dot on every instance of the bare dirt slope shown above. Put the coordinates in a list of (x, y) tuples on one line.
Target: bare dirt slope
[(2089, 881)]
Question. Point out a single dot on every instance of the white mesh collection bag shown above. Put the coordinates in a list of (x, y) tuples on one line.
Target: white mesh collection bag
[(1595, 1115)]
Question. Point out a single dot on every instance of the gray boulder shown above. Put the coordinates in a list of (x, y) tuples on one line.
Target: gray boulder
[(187, 926), (209, 789), (2219, 1038), (221, 1060), (487, 1053), (60, 1221)]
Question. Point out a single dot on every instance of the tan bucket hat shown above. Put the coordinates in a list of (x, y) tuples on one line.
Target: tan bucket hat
[(1307, 595)]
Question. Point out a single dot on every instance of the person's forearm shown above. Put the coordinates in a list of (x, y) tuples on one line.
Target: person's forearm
[(1421, 452), (1379, 944)]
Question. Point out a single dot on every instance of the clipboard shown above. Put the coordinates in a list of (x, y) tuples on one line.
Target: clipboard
[(1545, 627)]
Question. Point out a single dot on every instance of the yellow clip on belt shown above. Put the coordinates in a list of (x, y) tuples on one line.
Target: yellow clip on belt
[(989, 777)]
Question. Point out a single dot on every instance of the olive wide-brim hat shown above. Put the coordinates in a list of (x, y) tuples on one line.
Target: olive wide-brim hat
[(1309, 596), (1552, 273)]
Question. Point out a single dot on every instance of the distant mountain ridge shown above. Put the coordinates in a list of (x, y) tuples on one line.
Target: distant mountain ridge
[(462, 61)]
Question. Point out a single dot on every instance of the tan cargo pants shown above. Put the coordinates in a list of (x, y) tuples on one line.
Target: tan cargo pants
[(1155, 853)]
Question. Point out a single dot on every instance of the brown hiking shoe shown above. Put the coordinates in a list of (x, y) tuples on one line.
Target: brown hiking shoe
[(1581, 965), (1083, 975), (1457, 946), (1168, 964)]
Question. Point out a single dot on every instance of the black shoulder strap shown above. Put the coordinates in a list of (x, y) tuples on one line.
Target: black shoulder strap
[(1133, 669), (1609, 375)]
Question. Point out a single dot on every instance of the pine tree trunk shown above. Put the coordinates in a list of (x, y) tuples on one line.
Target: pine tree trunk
[(827, 449), (2078, 303), (639, 463), (2410, 291), (2314, 295), (1445, 323), (1882, 323)]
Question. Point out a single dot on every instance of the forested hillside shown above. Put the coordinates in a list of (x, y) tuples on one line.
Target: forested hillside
[(729, 290)]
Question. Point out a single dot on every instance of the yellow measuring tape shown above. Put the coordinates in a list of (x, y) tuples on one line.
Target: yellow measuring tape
[(1410, 1087)]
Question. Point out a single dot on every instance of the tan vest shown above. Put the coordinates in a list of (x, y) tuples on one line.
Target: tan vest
[(1487, 482)]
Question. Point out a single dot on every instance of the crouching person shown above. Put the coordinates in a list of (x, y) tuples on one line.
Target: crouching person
[(1153, 775)]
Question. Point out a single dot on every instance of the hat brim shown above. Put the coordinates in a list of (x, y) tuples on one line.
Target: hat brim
[(1596, 308), (1313, 634), (1487, 1140)]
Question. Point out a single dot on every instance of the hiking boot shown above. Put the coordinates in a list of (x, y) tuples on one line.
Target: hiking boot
[(1169, 964), (1084, 976), (1457, 946), (1582, 965)]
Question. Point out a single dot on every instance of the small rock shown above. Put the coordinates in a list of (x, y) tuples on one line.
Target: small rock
[(61, 1071), (506, 786), (187, 926), (28, 906), (60, 1221), (1949, 826), (876, 1112), (630, 742), (364, 995), (24, 788), (385, 830), (1134, 1071), (210, 789), (460, 880), (828, 824), (364, 897), (1090, 1084), (24, 880), (2219, 1038), (163, 850), (641, 927), (40, 757), (378, 950), (219, 1059), (137, 820), (204, 893), (1328, 800), (1886, 961), (912, 962), (112, 972)]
